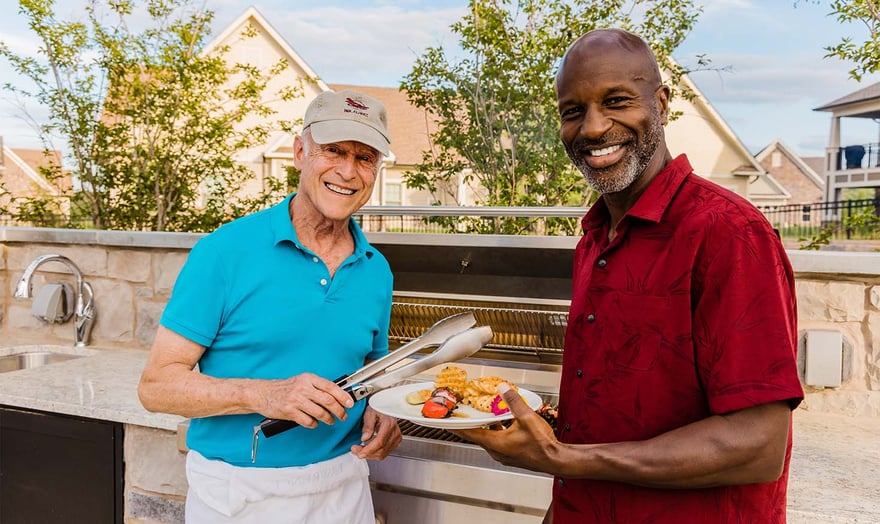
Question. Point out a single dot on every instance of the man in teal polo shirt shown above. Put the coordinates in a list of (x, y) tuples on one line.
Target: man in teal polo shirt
[(266, 312)]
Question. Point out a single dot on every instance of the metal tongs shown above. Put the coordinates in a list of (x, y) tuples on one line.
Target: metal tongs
[(455, 336)]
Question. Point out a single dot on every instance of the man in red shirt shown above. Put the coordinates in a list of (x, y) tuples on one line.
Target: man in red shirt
[(679, 371)]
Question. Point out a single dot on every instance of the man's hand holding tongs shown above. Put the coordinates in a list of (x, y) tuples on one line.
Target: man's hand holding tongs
[(305, 399)]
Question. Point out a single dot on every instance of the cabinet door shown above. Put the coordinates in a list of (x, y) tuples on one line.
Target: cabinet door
[(59, 469)]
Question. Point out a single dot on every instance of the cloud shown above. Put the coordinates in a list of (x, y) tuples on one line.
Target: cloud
[(364, 46), (761, 80), (21, 44)]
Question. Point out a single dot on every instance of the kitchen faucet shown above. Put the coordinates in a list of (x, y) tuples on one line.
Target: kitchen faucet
[(84, 310)]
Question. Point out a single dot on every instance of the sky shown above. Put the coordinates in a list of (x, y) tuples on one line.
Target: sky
[(768, 69)]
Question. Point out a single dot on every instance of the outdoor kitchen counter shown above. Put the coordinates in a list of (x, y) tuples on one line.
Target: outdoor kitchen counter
[(100, 385)]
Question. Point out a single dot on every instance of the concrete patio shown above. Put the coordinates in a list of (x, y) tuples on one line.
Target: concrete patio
[(835, 469)]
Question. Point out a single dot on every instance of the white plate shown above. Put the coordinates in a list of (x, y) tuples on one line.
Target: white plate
[(392, 402)]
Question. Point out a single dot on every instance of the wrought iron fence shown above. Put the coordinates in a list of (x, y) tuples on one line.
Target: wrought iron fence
[(793, 221), (805, 221), (561, 221), (47, 220)]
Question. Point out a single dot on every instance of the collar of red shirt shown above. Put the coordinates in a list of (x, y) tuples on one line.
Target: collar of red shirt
[(653, 202)]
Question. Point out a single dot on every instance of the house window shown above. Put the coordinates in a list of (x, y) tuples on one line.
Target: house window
[(392, 194), (776, 159)]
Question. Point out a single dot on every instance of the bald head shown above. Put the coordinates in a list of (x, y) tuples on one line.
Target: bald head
[(612, 108), (633, 55)]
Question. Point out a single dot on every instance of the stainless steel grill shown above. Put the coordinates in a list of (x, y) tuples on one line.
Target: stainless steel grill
[(520, 287)]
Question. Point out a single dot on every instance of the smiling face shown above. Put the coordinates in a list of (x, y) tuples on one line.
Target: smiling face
[(337, 178), (612, 107)]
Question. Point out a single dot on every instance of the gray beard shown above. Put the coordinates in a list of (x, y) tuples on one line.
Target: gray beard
[(620, 176)]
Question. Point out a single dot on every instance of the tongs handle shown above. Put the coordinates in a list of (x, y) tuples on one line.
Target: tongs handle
[(273, 426)]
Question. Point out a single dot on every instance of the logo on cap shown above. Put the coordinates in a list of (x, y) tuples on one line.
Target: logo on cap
[(357, 105)]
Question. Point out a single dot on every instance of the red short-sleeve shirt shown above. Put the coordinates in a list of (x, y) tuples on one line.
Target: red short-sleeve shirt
[(689, 312)]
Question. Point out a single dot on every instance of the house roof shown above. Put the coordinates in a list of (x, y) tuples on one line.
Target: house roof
[(254, 14), (809, 172), (410, 127), (750, 167), (29, 162), (871, 92), (774, 188), (816, 163)]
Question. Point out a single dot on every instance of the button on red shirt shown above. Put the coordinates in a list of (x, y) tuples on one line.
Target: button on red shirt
[(689, 312)]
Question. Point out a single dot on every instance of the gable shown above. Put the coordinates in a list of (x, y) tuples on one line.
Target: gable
[(792, 173), (21, 173), (712, 147), (262, 47)]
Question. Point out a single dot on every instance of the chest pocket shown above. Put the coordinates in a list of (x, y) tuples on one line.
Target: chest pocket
[(633, 333)]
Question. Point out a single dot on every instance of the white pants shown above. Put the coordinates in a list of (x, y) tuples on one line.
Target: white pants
[(336, 491)]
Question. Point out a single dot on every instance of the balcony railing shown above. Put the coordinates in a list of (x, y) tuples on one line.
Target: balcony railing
[(858, 156)]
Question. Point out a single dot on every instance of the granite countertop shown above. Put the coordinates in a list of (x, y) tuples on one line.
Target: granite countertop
[(102, 385)]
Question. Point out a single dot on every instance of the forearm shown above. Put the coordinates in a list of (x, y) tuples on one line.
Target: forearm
[(742, 448), (191, 394), (170, 383)]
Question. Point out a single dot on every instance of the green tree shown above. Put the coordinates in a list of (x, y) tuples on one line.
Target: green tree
[(865, 57), (152, 120), (494, 103)]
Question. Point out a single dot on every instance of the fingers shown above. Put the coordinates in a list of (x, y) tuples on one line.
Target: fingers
[(307, 399), (515, 402), (318, 402), (371, 424), (381, 439)]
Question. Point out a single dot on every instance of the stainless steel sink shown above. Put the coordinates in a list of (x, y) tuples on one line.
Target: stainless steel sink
[(33, 359)]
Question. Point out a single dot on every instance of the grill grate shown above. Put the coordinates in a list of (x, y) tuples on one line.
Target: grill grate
[(411, 429), (536, 332)]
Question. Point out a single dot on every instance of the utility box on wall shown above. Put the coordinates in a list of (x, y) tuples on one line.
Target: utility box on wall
[(823, 358)]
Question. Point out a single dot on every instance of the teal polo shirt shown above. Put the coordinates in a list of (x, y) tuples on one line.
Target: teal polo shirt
[(264, 306)]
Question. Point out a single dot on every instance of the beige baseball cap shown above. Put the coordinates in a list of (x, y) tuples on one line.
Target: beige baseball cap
[(348, 115)]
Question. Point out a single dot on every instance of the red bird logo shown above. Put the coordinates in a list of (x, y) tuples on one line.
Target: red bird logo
[(355, 104)]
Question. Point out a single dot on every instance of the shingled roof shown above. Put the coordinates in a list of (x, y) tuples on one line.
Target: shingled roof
[(871, 92)]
